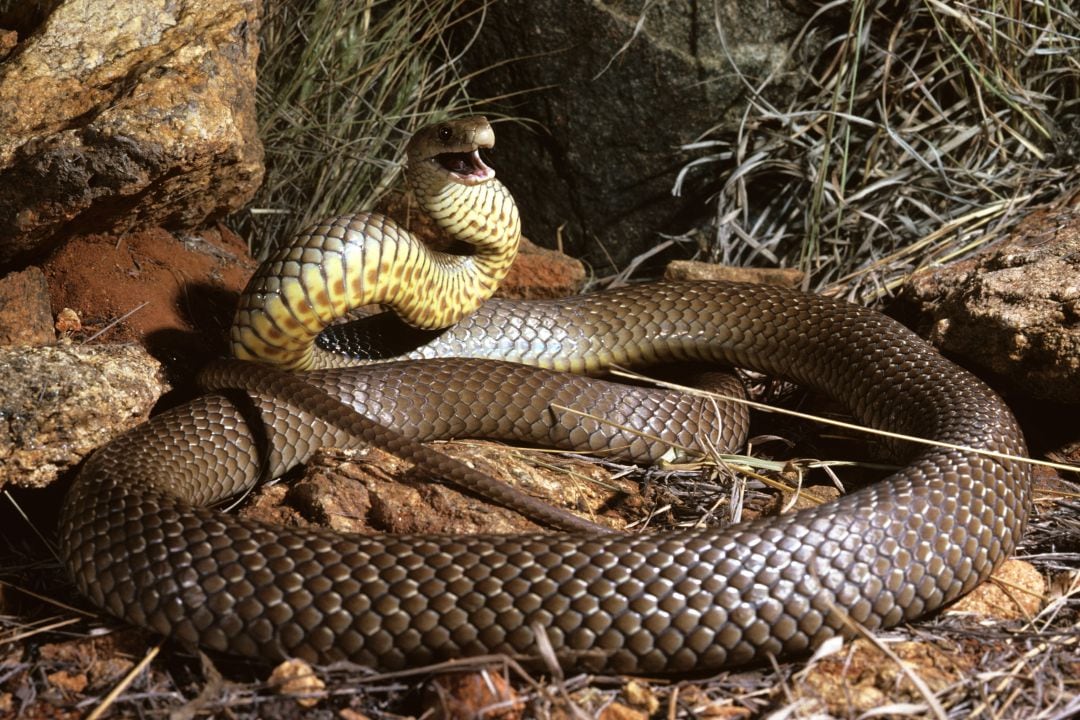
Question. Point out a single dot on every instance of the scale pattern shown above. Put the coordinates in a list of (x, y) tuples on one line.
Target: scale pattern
[(137, 543), (644, 604)]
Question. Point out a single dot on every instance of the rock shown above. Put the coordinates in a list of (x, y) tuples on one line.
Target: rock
[(296, 677), (541, 273), (59, 403), (68, 322), (127, 114), (371, 491), (641, 695), (618, 711), (103, 659), (8, 40), (473, 694), (694, 270), (1014, 309), (609, 93), (1017, 594), (862, 677), (25, 312)]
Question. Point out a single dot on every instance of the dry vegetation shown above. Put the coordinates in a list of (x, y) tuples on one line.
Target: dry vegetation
[(925, 131), (342, 85)]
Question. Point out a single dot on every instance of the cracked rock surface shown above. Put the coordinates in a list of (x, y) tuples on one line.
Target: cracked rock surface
[(1015, 309)]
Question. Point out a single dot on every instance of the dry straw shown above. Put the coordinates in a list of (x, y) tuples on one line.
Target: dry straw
[(923, 130), (342, 84)]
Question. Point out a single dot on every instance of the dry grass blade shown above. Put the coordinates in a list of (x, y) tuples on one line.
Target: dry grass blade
[(914, 117), (107, 702), (855, 427)]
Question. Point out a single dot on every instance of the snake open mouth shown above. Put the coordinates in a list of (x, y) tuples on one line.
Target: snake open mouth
[(466, 167)]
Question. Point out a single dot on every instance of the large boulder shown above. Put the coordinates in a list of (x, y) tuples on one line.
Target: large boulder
[(116, 115), (1013, 310), (610, 93)]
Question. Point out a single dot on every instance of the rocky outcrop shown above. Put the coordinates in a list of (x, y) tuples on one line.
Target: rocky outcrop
[(1014, 310), (609, 93), (125, 114), (61, 402)]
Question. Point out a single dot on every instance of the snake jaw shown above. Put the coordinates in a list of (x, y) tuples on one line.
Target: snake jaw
[(466, 168)]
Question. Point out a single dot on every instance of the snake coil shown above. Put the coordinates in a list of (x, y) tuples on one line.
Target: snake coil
[(137, 543)]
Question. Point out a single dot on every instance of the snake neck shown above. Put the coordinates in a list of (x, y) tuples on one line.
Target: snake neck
[(342, 264), (486, 217)]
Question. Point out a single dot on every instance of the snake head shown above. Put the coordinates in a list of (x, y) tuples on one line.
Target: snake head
[(451, 149)]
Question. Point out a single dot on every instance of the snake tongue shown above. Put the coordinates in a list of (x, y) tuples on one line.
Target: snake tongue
[(467, 167)]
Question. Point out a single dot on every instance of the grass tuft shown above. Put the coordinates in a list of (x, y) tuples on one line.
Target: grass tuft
[(923, 130), (342, 85)]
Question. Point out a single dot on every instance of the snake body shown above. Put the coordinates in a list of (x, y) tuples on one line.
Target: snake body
[(356, 260), (137, 544)]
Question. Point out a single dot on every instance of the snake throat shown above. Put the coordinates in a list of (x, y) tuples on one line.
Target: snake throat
[(341, 264)]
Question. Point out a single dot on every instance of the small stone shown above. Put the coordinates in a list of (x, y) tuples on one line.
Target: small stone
[(618, 711), (296, 677), (8, 40), (68, 682), (475, 695), (68, 321), (640, 695), (1016, 591), (347, 714)]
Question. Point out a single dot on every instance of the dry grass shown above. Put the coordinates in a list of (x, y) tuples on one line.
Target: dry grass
[(342, 85), (924, 130)]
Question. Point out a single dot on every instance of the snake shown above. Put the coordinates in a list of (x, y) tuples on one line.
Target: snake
[(139, 540)]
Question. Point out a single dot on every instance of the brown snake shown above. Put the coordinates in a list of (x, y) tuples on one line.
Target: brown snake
[(137, 545)]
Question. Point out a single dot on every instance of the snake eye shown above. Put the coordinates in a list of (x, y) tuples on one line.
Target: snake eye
[(444, 133)]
